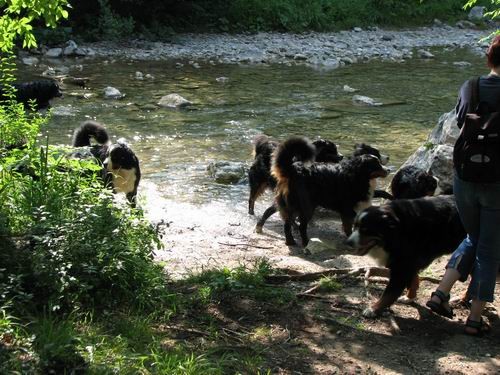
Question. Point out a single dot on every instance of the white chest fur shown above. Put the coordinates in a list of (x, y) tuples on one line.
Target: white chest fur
[(379, 255), (123, 179)]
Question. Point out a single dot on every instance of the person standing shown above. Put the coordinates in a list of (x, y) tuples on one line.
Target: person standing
[(478, 203)]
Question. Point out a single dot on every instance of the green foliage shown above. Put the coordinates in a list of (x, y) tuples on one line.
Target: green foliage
[(110, 25), (156, 19), (19, 15), (328, 284), (250, 282), (56, 344)]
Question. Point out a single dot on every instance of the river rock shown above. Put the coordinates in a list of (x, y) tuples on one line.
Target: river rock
[(84, 52), (54, 52), (139, 76), (436, 155), (446, 131), (300, 56), (70, 48), (476, 13), (348, 88), (462, 63), (112, 93), (465, 25), (226, 172), (424, 54), (30, 61), (222, 79), (174, 101), (49, 72), (365, 100)]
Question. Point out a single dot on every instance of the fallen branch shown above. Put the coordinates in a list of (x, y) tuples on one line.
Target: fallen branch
[(245, 244), (191, 331), (311, 276), (310, 290), (343, 272)]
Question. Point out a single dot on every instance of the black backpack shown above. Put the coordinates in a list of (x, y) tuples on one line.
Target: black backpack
[(476, 155)]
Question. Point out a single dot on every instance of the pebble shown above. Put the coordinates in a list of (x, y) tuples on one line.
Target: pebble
[(310, 49)]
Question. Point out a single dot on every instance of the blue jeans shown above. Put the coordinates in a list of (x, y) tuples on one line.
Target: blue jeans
[(479, 253)]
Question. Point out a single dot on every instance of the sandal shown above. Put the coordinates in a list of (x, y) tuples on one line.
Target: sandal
[(481, 327), (437, 307)]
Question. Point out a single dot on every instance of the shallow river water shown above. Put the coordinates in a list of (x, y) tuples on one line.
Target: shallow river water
[(175, 146)]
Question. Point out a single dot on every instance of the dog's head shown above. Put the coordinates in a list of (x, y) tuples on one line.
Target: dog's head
[(364, 149), (372, 227), (55, 90), (427, 183), (121, 156), (327, 152), (369, 165)]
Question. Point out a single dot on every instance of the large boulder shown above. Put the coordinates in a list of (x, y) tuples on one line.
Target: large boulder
[(436, 155), (226, 172)]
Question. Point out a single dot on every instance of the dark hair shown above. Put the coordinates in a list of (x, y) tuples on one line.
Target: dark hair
[(493, 52)]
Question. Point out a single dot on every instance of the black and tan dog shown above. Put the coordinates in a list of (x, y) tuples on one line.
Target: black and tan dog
[(259, 175), (346, 187), (120, 164), (406, 236), (365, 149), (40, 91)]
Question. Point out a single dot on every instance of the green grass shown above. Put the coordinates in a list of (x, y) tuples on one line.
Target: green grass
[(329, 284), (247, 281)]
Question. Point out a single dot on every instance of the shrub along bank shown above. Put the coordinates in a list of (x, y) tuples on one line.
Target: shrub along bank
[(111, 19)]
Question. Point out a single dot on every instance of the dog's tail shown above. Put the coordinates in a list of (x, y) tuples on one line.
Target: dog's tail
[(90, 129), (293, 149)]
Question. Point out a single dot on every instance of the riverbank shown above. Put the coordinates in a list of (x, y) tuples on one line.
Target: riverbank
[(329, 50)]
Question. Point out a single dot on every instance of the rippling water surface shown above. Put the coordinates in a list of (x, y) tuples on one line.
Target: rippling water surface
[(175, 147)]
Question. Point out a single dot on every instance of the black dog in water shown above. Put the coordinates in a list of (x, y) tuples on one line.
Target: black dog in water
[(346, 187), (406, 235), (326, 152), (40, 91), (259, 175), (120, 164)]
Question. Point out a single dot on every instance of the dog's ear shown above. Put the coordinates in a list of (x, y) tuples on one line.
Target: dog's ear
[(390, 217)]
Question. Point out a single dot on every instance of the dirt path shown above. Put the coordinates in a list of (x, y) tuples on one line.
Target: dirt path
[(326, 335)]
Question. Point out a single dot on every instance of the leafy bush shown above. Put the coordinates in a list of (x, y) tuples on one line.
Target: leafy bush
[(65, 242), (258, 15)]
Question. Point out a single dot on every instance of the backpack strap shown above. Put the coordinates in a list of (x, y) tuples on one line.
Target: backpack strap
[(474, 95)]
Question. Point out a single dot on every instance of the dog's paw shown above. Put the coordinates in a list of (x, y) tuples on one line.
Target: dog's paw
[(258, 229), (369, 313), (406, 300)]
